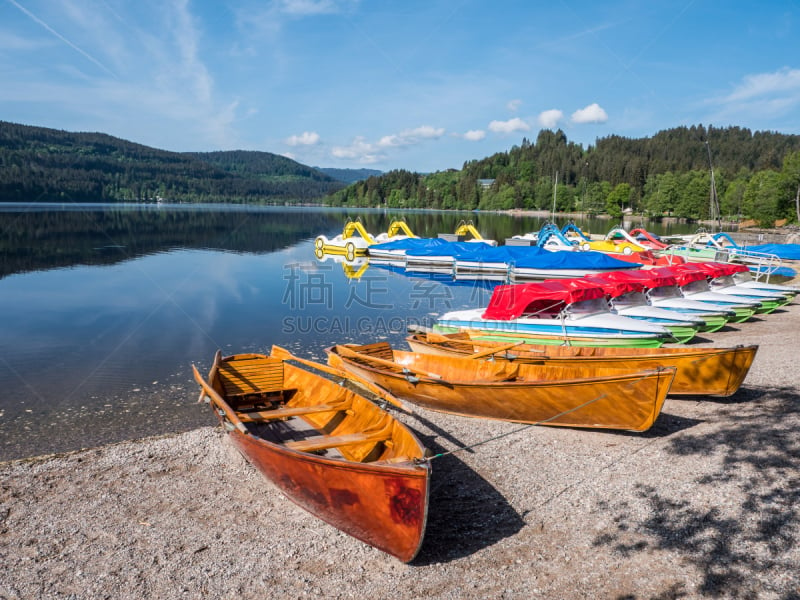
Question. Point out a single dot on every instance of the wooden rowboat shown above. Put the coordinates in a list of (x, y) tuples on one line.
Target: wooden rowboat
[(329, 449), (700, 371), (542, 395)]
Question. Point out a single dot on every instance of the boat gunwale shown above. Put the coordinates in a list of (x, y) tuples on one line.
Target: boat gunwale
[(624, 375)]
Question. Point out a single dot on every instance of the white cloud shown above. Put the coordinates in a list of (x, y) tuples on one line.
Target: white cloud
[(513, 105), (364, 152), (474, 135), (510, 126), (187, 39), (550, 118), (411, 136), (591, 114), (764, 97), (425, 131), (763, 84), (359, 151), (307, 138)]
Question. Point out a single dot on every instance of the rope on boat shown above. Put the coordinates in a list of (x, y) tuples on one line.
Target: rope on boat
[(562, 315), (524, 427)]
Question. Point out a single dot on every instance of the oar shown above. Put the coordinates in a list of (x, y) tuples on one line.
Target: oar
[(432, 336), (505, 334), (284, 354), (211, 374), (436, 338), (219, 402), (345, 351), (491, 351)]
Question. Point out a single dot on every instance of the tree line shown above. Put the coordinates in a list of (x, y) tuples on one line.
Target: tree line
[(46, 165), (754, 175)]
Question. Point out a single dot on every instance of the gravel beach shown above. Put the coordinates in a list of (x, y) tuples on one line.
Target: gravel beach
[(705, 504)]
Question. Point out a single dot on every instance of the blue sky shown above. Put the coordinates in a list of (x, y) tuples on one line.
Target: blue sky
[(421, 85)]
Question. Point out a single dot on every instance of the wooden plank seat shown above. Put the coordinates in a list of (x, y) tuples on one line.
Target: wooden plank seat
[(382, 350), (252, 376), (289, 411), (326, 442)]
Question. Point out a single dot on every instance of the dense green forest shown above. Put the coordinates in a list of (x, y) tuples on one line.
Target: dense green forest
[(39, 164), (755, 175)]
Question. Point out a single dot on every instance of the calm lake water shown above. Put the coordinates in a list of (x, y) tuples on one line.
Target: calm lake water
[(103, 309)]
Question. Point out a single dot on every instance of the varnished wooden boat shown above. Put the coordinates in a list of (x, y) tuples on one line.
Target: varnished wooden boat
[(700, 371), (329, 449), (524, 393)]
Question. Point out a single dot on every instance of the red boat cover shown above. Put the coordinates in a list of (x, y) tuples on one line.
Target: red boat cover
[(649, 278), (684, 274), (648, 258), (715, 269), (542, 298), (612, 288)]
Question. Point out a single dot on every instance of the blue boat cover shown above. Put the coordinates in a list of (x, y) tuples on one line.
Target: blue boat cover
[(538, 258), (786, 251), (524, 256), (410, 244), (445, 248), (519, 256)]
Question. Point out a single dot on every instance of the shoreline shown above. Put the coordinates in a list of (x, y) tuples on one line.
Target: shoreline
[(705, 504)]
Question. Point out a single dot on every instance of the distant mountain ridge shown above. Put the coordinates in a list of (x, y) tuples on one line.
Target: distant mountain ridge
[(41, 164), (350, 175)]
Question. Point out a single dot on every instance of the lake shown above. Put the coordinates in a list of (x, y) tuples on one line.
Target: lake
[(103, 309)]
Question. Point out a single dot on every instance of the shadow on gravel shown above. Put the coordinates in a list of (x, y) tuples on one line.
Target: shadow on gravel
[(465, 512), (741, 396), (667, 424), (746, 544)]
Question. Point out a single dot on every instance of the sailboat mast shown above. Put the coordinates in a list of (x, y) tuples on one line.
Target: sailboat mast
[(555, 189), (715, 212)]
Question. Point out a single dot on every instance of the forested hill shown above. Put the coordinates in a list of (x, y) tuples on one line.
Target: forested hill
[(39, 164), (756, 175), (259, 165)]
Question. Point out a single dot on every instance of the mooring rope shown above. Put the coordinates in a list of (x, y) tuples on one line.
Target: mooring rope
[(529, 425), (523, 428)]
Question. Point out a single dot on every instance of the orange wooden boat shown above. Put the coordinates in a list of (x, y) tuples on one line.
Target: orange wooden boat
[(329, 449), (700, 371), (542, 395)]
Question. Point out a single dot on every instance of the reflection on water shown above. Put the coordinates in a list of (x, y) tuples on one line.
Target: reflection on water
[(36, 237), (104, 309), (62, 236)]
